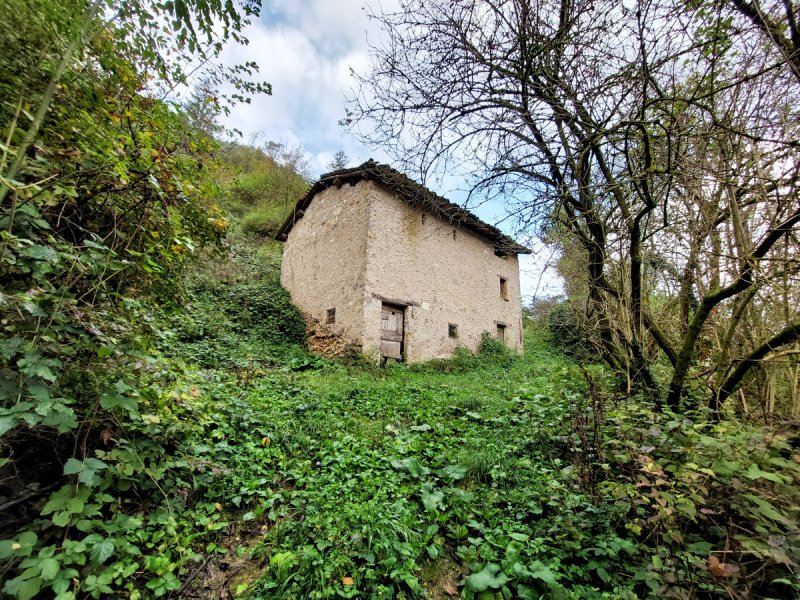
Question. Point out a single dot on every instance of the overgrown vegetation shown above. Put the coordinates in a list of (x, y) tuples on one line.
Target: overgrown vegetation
[(239, 462), (165, 433), (653, 143)]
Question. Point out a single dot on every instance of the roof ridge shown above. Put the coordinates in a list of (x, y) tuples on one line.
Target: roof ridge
[(412, 192)]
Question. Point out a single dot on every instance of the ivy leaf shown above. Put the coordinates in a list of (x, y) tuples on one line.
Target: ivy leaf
[(489, 577)]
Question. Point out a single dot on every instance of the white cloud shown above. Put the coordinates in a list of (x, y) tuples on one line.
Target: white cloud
[(306, 50)]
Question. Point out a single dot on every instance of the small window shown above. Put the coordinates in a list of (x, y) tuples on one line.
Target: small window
[(331, 316), (504, 288), (454, 233), (452, 330), (423, 218), (501, 333)]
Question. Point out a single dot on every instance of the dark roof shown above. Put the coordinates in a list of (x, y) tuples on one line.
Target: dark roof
[(413, 193)]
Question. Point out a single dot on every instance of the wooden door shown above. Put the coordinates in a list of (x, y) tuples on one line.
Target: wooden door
[(392, 331)]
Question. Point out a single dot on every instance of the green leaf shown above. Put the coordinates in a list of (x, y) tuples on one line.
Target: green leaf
[(23, 589), (8, 422), (656, 560), (453, 472), (18, 548), (61, 519), (86, 470), (35, 365), (58, 500), (488, 577), (431, 498), (102, 552), (412, 466), (114, 400), (38, 252), (10, 347), (50, 568), (701, 548), (754, 472), (73, 466), (541, 571), (769, 511)]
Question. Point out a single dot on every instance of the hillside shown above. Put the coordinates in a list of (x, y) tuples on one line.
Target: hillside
[(266, 472), (165, 431)]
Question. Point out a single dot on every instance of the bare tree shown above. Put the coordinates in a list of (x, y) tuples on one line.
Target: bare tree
[(647, 145)]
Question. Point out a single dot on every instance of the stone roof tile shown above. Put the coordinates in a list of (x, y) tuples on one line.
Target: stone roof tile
[(415, 194)]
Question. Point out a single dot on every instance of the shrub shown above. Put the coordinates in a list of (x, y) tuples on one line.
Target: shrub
[(265, 219), (569, 331)]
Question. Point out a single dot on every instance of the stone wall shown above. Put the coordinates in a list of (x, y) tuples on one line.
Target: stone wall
[(360, 246), (324, 260), (445, 275)]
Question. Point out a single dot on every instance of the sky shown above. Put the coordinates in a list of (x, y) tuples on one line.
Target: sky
[(306, 51)]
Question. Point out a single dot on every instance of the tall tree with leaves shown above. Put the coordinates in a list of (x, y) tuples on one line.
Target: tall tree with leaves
[(339, 161), (105, 195)]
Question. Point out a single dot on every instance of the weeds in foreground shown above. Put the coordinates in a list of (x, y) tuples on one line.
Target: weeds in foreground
[(489, 476)]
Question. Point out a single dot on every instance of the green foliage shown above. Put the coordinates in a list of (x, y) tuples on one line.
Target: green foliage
[(569, 333), (264, 185), (241, 319), (264, 220), (107, 197)]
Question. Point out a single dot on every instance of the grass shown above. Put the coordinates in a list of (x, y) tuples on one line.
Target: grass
[(381, 478), (489, 475)]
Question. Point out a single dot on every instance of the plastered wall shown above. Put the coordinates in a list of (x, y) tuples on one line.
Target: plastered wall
[(360, 246), (444, 274), (324, 258)]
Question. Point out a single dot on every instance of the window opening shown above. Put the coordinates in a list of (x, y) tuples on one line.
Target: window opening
[(331, 318), (501, 333), (452, 330), (504, 288)]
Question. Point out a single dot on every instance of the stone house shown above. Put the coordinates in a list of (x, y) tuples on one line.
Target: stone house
[(378, 261)]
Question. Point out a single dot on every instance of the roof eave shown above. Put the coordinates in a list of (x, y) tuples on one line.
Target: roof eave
[(414, 193)]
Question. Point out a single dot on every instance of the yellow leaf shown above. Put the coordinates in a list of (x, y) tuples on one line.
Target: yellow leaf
[(347, 581), (265, 441), (721, 569), (218, 506)]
